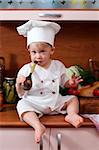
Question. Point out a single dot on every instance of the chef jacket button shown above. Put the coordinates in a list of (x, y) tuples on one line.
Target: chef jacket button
[(53, 80), (41, 93), (53, 92), (42, 81)]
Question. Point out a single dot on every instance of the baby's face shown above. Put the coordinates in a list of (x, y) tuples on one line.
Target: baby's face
[(41, 52)]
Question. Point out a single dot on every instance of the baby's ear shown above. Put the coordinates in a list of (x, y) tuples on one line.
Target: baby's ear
[(28, 50), (52, 50)]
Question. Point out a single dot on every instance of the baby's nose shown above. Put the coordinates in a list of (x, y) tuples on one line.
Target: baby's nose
[(38, 55)]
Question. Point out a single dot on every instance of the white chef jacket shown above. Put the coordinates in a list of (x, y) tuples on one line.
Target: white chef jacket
[(44, 96)]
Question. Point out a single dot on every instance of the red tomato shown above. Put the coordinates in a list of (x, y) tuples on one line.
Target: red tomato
[(74, 86), (73, 92), (96, 92)]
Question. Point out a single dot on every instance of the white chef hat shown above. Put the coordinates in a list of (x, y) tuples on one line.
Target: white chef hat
[(39, 31)]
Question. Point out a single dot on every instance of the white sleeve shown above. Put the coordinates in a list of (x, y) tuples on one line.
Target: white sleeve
[(24, 71), (63, 77)]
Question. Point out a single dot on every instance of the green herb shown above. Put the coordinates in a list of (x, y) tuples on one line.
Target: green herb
[(86, 75)]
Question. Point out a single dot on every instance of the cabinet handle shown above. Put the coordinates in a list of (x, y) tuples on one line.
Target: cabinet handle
[(59, 137), (41, 144), (50, 15)]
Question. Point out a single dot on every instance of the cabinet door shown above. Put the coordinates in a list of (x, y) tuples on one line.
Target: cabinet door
[(21, 139), (74, 139)]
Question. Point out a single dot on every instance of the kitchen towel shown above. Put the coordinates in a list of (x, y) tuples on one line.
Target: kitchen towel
[(94, 118)]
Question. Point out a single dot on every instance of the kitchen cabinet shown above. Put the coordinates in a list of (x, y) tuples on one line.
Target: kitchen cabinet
[(54, 139), (21, 139), (49, 10), (68, 15), (74, 139)]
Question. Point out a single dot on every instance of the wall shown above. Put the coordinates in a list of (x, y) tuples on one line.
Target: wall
[(75, 44)]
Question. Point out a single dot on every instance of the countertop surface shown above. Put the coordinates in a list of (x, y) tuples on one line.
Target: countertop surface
[(9, 118)]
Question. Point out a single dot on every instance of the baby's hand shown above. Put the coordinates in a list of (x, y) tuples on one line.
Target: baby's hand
[(20, 80), (75, 80), (19, 85)]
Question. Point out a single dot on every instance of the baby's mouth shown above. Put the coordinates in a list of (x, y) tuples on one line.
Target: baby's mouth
[(36, 62), (39, 62)]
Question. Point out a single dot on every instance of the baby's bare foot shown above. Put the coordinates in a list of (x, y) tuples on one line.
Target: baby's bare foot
[(39, 132), (74, 119)]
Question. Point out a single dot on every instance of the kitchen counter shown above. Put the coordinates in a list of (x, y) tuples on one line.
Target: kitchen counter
[(9, 118)]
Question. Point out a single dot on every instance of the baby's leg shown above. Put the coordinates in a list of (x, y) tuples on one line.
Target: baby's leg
[(72, 111), (32, 119)]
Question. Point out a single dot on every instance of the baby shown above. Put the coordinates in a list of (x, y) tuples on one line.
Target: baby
[(48, 76)]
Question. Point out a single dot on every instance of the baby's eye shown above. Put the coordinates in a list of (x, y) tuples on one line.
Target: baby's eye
[(42, 51), (33, 52)]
